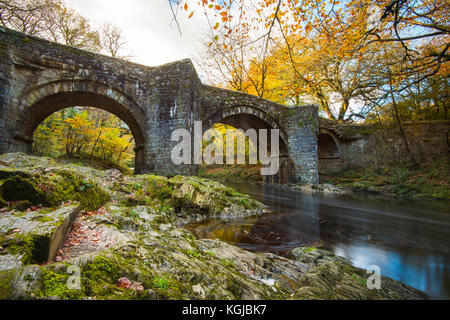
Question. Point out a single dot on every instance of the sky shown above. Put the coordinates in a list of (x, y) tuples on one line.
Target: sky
[(151, 38)]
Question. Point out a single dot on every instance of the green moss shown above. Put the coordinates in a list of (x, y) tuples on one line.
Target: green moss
[(43, 218), (3, 203), (6, 277), (168, 288), (162, 283), (66, 185), (360, 280), (33, 248), (102, 268), (227, 263), (18, 189), (193, 253), (234, 287), (55, 285)]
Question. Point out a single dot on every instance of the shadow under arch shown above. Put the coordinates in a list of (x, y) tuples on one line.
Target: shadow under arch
[(328, 144), (41, 102), (330, 159), (247, 117)]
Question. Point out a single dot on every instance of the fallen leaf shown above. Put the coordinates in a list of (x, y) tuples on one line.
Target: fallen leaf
[(137, 286), (124, 283)]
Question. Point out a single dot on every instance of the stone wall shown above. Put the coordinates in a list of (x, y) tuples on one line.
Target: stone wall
[(358, 145)]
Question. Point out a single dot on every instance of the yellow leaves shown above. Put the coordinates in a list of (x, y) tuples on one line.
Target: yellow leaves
[(84, 133), (191, 14), (185, 6)]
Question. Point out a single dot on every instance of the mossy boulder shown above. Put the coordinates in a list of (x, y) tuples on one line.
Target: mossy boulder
[(188, 197), (17, 188), (50, 187), (63, 184)]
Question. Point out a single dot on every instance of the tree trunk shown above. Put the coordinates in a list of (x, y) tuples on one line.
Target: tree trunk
[(400, 125)]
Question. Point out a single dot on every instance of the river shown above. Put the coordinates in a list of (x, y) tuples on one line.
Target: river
[(408, 240)]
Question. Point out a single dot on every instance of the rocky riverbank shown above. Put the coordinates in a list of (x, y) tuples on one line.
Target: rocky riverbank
[(128, 241)]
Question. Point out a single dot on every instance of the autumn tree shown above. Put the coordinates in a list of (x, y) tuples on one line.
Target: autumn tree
[(235, 58), (68, 27), (422, 29), (83, 132), (340, 40), (27, 16), (113, 41), (53, 20)]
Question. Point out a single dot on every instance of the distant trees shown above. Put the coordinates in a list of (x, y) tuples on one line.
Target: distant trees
[(85, 133), (30, 16), (53, 20), (66, 26), (112, 40), (242, 148)]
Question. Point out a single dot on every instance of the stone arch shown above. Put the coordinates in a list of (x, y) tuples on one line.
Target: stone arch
[(329, 151), (330, 146), (246, 117), (40, 102), (249, 117)]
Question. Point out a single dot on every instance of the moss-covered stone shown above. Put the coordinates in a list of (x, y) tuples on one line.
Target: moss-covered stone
[(18, 189), (51, 188), (6, 278), (332, 278), (187, 197), (53, 284), (62, 185), (35, 236)]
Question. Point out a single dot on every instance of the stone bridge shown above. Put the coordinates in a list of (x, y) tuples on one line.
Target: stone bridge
[(38, 78)]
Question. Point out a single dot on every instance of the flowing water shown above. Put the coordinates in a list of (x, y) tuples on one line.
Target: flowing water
[(408, 240)]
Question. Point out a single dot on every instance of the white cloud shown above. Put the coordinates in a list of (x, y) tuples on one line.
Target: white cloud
[(146, 24)]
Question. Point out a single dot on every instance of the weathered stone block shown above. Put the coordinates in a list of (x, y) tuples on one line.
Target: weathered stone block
[(34, 236)]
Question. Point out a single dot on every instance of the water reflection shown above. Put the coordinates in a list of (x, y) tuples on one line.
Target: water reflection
[(409, 241)]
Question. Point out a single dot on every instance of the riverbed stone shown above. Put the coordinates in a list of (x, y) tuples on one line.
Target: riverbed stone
[(331, 277)]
